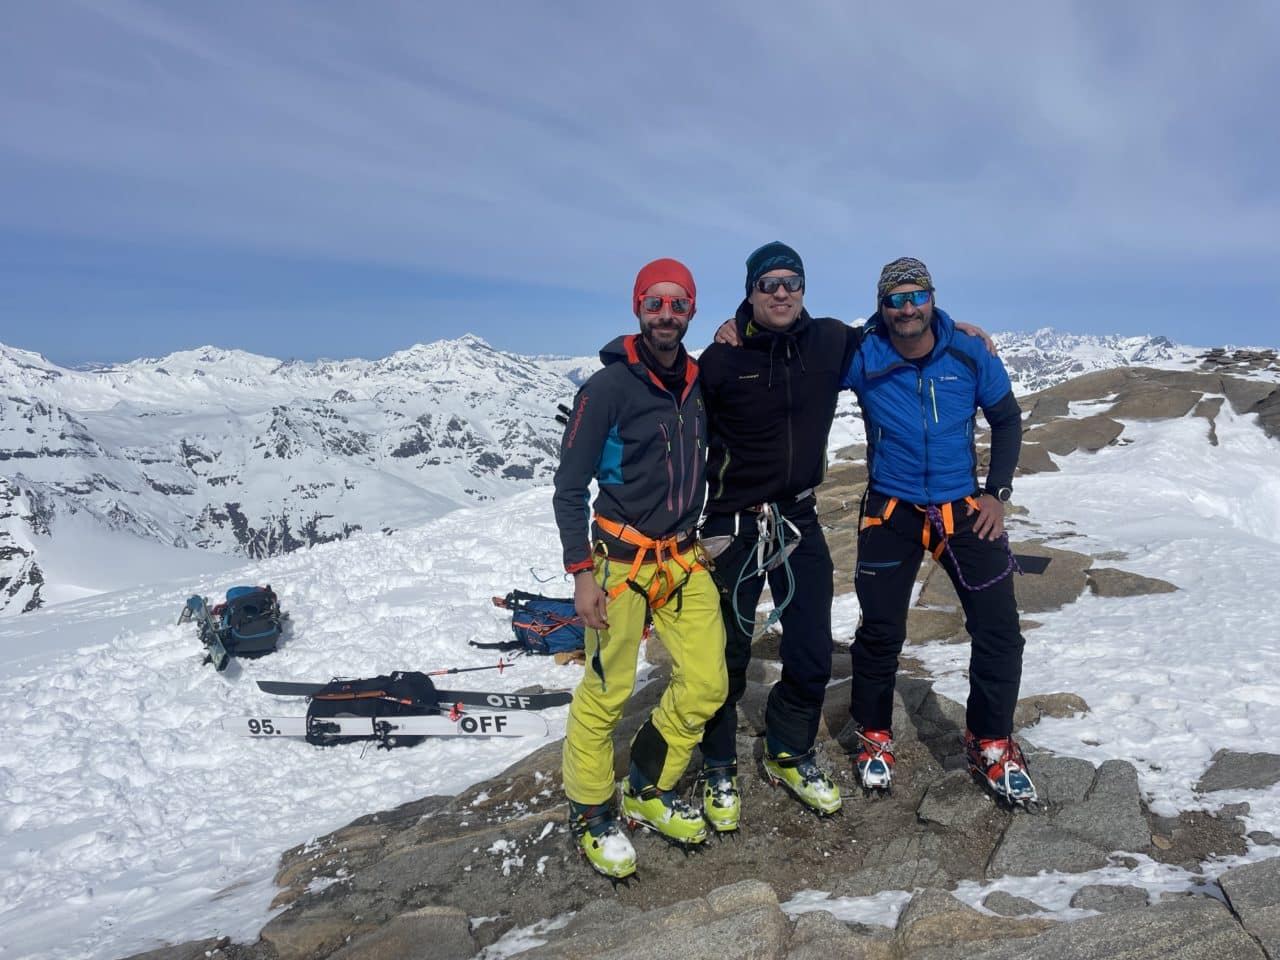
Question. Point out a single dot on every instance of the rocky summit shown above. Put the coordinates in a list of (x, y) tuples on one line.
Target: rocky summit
[(495, 869)]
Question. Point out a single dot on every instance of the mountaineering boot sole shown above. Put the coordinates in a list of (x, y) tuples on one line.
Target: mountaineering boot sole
[(602, 842), (807, 781), (667, 815), (874, 764), (999, 766), (721, 801)]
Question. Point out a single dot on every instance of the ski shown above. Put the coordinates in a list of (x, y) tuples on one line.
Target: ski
[(197, 608), (468, 698), (464, 725)]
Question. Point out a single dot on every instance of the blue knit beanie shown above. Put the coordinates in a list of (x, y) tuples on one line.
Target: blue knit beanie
[(772, 256)]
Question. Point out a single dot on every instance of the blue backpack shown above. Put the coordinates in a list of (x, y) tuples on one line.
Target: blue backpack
[(249, 621), (544, 625)]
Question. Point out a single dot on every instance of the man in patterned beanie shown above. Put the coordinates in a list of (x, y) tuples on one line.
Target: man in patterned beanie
[(920, 386)]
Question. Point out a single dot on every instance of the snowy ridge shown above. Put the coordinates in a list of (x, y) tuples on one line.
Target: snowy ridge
[(234, 453), (227, 451), (1046, 357)]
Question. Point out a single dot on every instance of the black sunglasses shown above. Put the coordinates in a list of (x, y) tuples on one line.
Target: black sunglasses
[(917, 298), (769, 285)]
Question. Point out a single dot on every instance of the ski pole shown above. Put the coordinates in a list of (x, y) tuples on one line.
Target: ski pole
[(499, 666)]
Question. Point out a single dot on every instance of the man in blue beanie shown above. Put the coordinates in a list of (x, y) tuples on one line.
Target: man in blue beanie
[(770, 405)]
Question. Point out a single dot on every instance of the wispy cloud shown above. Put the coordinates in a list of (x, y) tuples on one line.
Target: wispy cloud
[(522, 142)]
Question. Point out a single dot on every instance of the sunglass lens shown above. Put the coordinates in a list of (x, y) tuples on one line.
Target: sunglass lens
[(917, 298), (680, 306), (769, 285)]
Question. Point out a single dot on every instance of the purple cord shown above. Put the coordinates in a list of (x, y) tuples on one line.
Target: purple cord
[(934, 516)]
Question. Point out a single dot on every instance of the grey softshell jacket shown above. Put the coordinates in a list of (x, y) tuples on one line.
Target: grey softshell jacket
[(645, 447)]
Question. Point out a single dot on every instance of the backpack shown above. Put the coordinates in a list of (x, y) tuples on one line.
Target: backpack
[(543, 625), (249, 621), (400, 694)]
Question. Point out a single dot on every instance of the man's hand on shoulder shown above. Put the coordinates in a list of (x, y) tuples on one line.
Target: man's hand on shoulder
[(727, 333), (590, 600), (976, 331)]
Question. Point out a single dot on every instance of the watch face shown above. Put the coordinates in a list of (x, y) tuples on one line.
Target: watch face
[(1003, 494)]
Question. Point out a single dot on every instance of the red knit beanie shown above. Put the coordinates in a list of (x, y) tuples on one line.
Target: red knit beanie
[(662, 271)]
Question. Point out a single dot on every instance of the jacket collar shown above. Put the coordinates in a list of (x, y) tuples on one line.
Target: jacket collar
[(766, 338), (623, 350), (944, 329)]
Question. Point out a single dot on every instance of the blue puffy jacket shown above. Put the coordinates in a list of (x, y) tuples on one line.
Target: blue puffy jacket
[(920, 419)]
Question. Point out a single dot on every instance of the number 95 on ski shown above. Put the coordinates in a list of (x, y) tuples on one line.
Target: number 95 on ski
[(483, 724)]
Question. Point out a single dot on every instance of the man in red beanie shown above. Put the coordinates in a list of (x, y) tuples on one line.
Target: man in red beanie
[(638, 427)]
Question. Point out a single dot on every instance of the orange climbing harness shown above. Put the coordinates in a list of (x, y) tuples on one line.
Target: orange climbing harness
[(945, 510), (663, 587)]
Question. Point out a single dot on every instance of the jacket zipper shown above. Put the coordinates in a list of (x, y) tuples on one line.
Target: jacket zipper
[(724, 468), (683, 463), (786, 373), (692, 465), (924, 422), (666, 439)]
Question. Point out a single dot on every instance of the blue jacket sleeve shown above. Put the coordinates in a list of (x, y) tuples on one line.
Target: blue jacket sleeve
[(993, 380), (852, 378)]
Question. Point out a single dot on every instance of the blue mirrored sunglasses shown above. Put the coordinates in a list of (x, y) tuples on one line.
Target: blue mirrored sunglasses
[(917, 298)]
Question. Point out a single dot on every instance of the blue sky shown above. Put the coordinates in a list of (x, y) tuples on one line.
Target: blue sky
[(333, 179)]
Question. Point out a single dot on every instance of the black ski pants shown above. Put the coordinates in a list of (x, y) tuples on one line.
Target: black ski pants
[(889, 556), (795, 702)]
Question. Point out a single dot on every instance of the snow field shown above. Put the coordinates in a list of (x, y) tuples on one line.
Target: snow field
[(1170, 678), (130, 817)]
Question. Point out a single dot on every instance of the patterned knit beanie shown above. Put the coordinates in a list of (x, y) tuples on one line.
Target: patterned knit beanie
[(902, 270)]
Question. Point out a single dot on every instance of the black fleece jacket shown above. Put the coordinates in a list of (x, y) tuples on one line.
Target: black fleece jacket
[(770, 404)]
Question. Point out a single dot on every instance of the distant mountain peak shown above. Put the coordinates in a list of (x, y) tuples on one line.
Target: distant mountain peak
[(240, 453)]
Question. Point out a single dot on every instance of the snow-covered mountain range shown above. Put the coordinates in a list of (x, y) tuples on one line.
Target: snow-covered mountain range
[(236, 454), (1046, 357), (230, 452)]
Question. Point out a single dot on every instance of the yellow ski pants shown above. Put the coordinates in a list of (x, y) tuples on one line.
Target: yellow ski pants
[(693, 633)]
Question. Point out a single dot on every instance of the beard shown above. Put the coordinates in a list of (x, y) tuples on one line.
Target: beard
[(662, 339), (914, 332)]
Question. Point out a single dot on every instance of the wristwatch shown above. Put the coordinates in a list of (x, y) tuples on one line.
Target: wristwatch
[(1002, 493)]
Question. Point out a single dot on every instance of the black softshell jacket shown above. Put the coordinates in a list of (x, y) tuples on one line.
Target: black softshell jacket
[(771, 403)]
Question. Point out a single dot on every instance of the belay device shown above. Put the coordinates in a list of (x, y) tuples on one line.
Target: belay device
[(247, 624)]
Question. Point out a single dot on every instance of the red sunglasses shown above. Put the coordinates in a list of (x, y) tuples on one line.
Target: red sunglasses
[(680, 306)]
